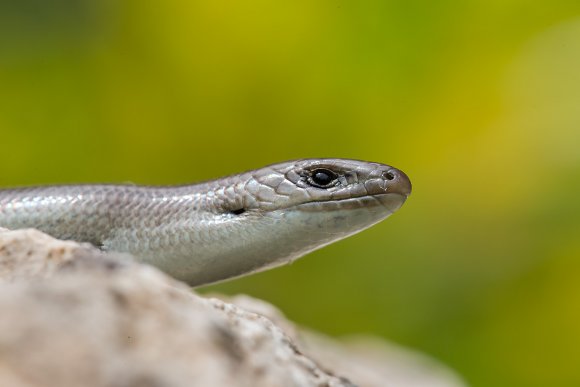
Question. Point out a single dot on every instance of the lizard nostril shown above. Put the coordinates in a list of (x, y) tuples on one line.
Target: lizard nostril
[(397, 181), (388, 175)]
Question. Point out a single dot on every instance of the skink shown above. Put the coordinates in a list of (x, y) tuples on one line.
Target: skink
[(219, 229)]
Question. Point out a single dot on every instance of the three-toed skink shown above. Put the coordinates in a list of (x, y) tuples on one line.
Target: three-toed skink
[(219, 229)]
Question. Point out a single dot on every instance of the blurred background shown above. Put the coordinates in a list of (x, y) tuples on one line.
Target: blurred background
[(478, 102)]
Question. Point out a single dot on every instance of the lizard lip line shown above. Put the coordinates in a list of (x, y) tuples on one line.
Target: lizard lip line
[(391, 201)]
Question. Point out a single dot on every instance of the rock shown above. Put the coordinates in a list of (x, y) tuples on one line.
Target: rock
[(370, 361), (367, 361), (71, 315)]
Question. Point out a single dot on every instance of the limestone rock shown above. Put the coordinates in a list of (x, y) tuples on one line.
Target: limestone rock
[(367, 361), (71, 315)]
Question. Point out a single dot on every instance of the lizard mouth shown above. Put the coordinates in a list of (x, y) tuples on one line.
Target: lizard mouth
[(389, 201)]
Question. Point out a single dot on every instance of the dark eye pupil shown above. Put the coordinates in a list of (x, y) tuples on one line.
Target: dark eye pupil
[(323, 177)]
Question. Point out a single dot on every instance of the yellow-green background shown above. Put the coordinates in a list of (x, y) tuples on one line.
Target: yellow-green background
[(478, 101)]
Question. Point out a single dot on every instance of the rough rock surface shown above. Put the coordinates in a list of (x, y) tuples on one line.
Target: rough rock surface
[(71, 315)]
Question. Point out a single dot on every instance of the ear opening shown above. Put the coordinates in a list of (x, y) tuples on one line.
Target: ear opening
[(238, 211)]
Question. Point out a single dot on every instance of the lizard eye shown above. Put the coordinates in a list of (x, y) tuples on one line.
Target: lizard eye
[(322, 178)]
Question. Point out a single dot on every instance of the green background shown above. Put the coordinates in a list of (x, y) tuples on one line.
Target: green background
[(477, 101)]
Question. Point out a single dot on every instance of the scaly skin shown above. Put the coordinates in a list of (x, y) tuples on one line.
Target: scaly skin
[(219, 229)]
